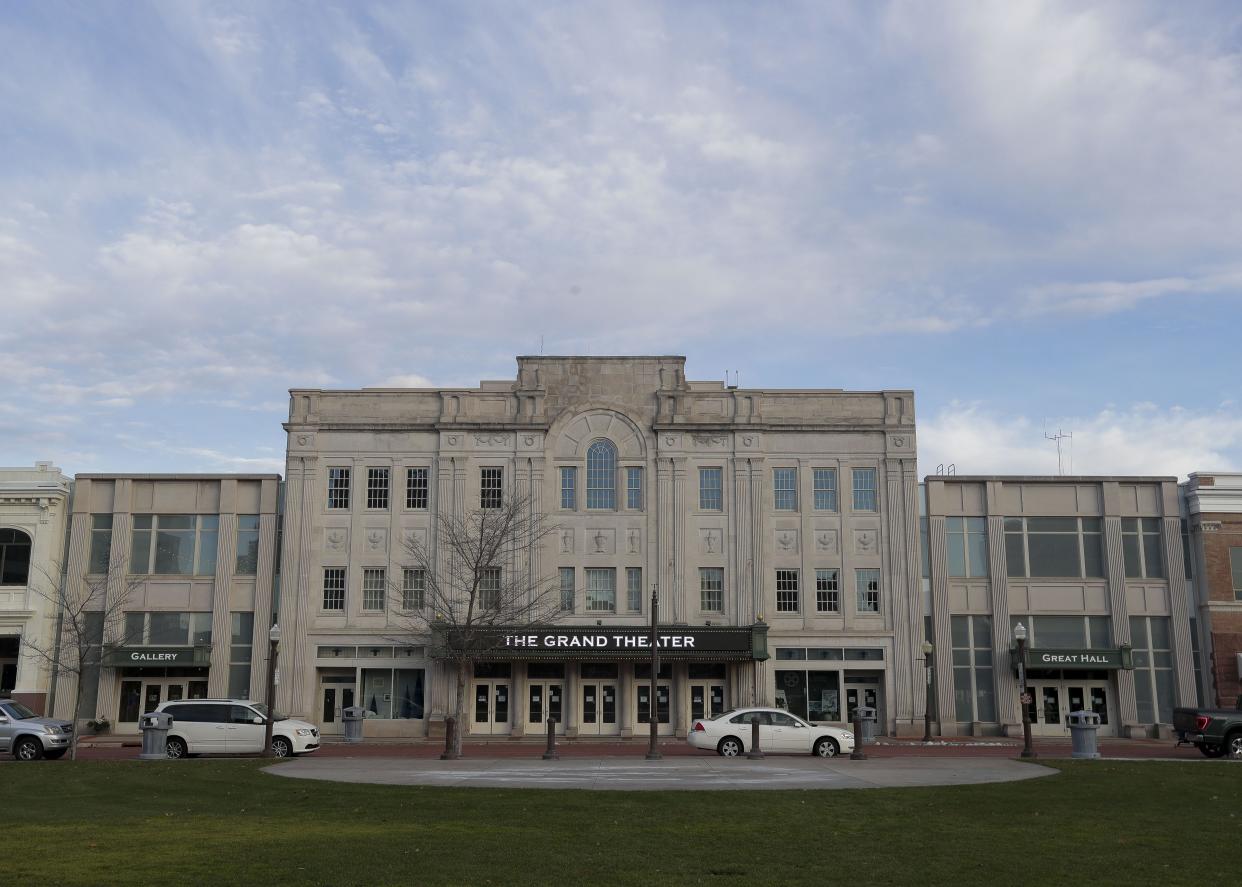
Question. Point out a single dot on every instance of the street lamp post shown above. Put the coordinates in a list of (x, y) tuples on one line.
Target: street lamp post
[(273, 637), (653, 750), (1019, 635), (930, 666)]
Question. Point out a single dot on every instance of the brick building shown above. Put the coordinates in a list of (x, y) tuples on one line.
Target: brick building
[(1214, 510)]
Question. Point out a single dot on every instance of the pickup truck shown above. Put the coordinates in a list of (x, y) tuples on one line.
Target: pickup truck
[(1217, 732)]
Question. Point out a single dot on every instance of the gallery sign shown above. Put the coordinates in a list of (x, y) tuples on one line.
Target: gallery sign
[(155, 657)]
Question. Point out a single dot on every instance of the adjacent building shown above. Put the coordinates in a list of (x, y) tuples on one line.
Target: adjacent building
[(1213, 505), (1093, 569), (179, 574), (33, 509), (779, 528)]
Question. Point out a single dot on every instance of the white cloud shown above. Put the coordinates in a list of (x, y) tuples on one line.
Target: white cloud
[(1141, 439)]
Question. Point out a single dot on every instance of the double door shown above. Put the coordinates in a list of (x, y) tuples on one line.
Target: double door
[(544, 700), (139, 696), (664, 692), (707, 699), (599, 709), (336, 693), (1052, 701), (490, 716)]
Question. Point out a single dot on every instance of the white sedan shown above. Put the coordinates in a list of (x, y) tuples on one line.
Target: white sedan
[(729, 734)]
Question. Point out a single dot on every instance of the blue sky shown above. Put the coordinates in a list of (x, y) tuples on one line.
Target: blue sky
[(1030, 213)]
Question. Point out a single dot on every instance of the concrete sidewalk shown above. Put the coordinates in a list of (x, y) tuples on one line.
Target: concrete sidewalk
[(671, 774)]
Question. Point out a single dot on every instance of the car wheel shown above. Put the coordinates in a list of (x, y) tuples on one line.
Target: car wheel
[(1233, 745), (1211, 751), (54, 755), (281, 747), (176, 748), (826, 748), (28, 749), (730, 747)]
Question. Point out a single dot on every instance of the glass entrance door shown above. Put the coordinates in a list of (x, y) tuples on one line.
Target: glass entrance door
[(1052, 702), (707, 700), (663, 695), (336, 693), (599, 710), (140, 696), (491, 708), (543, 701), (864, 694)]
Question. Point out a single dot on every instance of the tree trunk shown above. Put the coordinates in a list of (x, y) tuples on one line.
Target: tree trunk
[(463, 677), (77, 704)]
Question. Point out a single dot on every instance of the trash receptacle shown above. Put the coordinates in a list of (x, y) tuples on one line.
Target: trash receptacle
[(866, 720), (155, 725), (353, 716), (1084, 727)]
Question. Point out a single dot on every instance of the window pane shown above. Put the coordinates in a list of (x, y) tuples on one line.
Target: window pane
[(416, 488), (1093, 555), (985, 694), (1099, 630), (957, 550), (785, 488), (711, 589), (140, 552), (1133, 559), (963, 695), (413, 589), (208, 540), (960, 628), (1054, 554), (567, 588), (374, 584), (634, 488), (200, 628), (868, 587), (1058, 632), (377, 488), (569, 487), (602, 475), (135, 626), (865, 489), (408, 698), (239, 681), (711, 489), (634, 588), (1153, 556), (377, 692), (1235, 570), (825, 489), (491, 483), (1015, 554), (601, 590), (247, 545), (1160, 633), (170, 628), (977, 546), (338, 488), (242, 628), (787, 591)]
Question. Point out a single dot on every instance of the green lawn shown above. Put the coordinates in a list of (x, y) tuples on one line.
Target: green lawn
[(224, 822)]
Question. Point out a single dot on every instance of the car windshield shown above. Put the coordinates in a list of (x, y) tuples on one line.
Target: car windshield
[(262, 710), (19, 711)]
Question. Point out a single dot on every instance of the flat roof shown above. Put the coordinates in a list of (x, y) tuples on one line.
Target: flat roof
[(1052, 478)]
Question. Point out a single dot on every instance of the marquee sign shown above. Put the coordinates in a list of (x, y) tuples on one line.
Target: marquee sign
[(679, 642)]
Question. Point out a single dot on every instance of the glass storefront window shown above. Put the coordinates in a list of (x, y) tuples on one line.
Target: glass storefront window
[(823, 696), (408, 701), (377, 692)]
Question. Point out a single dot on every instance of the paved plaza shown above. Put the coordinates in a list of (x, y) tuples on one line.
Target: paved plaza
[(683, 773)]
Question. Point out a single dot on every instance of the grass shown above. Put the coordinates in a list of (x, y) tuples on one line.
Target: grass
[(224, 822)]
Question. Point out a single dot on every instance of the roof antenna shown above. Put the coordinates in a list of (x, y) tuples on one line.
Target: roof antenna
[(1058, 437), (541, 344)]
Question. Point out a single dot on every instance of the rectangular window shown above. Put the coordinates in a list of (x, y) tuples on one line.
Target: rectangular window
[(569, 487), (338, 488), (865, 486), (973, 687), (567, 589), (711, 589), (825, 489), (867, 584), (711, 489), (634, 488), (416, 488), (101, 544), (967, 539), (491, 481), (785, 489), (787, 591), (247, 545), (377, 488), (174, 544), (413, 589), (827, 591), (1235, 569), (240, 654), (489, 588), (601, 590), (1141, 548), (1054, 547), (634, 588), (374, 582), (1153, 668), (334, 588)]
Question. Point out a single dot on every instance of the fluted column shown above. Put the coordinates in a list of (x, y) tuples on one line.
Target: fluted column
[(221, 623), (298, 595), (937, 544), (1179, 610), (1119, 610), (680, 606), (263, 591), (1007, 707), (906, 691)]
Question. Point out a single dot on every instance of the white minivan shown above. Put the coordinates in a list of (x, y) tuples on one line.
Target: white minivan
[(232, 726)]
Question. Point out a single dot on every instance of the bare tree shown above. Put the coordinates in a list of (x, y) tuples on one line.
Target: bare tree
[(476, 577), (90, 621)]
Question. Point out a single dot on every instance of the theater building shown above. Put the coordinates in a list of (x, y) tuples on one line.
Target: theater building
[(33, 509), (779, 527), (1093, 568), (1213, 504), (183, 566)]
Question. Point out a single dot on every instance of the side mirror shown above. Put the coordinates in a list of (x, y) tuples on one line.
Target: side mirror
[(3, 719), (258, 720)]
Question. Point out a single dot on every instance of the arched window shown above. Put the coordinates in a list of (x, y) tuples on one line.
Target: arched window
[(602, 475), (14, 557)]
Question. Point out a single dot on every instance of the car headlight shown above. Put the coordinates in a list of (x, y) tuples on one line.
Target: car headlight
[(849, 736), (50, 728), (302, 731)]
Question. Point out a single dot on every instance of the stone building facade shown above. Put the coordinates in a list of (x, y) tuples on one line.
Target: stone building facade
[(33, 509), (190, 559), (1213, 505), (1093, 569), (779, 527)]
